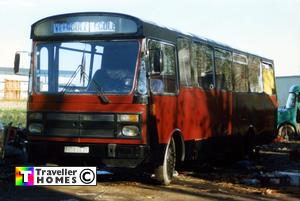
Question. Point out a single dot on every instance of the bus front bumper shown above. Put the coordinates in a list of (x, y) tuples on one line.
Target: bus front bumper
[(109, 155)]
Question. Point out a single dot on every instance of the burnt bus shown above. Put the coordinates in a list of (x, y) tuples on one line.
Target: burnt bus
[(111, 89)]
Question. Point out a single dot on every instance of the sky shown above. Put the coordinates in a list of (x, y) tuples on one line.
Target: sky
[(270, 28)]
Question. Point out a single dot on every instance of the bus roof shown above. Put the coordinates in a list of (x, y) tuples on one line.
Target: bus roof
[(143, 28)]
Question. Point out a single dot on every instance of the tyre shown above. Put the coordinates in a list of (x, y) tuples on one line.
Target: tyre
[(164, 173), (287, 132)]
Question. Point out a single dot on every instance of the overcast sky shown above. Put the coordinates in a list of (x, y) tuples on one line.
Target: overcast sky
[(269, 28)]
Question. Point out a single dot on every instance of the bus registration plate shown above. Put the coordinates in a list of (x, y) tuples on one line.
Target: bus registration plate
[(74, 149)]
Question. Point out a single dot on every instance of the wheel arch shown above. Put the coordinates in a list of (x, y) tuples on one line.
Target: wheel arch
[(286, 123)]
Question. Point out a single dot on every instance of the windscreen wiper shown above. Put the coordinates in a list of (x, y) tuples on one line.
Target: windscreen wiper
[(96, 86), (99, 92), (80, 68), (71, 79), (83, 76)]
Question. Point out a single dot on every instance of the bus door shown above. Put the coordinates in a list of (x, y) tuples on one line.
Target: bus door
[(163, 86)]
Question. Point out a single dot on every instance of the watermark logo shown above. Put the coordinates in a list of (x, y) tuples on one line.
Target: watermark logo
[(24, 176), (56, 176)]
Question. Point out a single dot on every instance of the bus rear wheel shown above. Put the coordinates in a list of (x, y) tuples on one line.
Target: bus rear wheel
[(164, 173), (287, 132)]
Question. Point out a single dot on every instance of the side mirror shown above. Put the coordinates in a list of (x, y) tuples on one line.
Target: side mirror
[(17, 63), (157, 61), (22, 61)]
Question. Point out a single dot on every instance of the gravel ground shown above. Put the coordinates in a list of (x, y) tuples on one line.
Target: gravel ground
[(243, 180)]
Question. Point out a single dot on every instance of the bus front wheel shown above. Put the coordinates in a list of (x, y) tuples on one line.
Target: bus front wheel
[(164, 173)]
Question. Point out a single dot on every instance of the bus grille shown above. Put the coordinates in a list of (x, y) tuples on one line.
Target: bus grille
[(80, 125)]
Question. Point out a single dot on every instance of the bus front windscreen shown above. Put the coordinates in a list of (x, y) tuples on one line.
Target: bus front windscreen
[(85, 67)]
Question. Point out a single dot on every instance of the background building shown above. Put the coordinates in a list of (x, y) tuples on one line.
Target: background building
[(12, 86), (283, 85)]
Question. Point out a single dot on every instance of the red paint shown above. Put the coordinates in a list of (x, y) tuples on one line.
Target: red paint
[(89, 103), (165, 112), (195, 114), (200, 114)]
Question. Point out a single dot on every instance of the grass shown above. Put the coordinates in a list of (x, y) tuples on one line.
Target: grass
[(13, 111)]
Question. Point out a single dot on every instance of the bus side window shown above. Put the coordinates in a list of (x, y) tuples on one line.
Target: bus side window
[(268, 79), (223, 61), (254, 74), (163, 68), (203, 64), (184, 58), (240, 73)]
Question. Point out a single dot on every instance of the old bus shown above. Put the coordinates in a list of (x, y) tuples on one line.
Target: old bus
[(111, 89)]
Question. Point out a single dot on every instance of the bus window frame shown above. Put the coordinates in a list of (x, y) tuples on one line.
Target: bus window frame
[(149, 70), (192, 82), (207, 45), (215, 48), (236, 54), (271, 64), (252, 57)]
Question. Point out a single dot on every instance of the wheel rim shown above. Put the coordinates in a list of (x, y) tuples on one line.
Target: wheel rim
[(286, 132)]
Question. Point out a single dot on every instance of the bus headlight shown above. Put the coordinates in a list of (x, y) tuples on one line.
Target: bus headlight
[(130, 131), (35, 128), (133, 118)]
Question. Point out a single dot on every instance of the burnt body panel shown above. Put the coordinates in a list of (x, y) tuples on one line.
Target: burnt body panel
[(218, 122), (204, 114), (257, 110)]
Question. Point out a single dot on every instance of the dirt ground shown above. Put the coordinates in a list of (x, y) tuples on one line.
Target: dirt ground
[(243, 180)]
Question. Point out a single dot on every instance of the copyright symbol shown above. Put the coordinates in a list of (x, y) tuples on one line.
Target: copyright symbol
[(87, 176)]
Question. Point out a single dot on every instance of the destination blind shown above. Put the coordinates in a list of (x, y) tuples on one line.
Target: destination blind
[(84, 25)]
